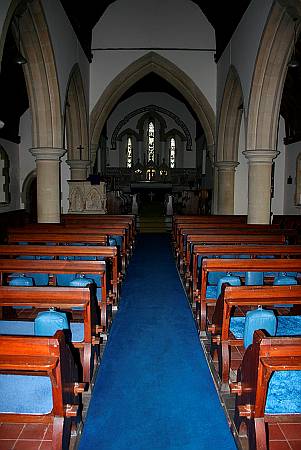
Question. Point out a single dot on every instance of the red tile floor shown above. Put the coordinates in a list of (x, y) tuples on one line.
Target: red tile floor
[(19, 436)]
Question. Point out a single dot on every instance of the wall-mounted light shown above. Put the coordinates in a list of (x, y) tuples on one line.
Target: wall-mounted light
[(289, 180), (1, 124), (19, 59)]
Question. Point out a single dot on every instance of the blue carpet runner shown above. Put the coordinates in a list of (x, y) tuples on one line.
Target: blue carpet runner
[(154, 390)]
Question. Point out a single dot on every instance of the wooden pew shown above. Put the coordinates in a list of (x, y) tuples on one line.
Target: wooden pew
[(109, 253), (50, 357), (58, 231), (193, 239), (280, 251), (53, 267), (234, 239), (65, 299), (128, 219), (262, 359), (214, 219), (183, 249), (238, 265), (246, 298), (195, 228)]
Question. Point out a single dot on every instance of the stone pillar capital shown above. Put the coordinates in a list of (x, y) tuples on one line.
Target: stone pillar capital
[(78, 163), (261, 156), (78, 168), (47, 153), (227, 166)]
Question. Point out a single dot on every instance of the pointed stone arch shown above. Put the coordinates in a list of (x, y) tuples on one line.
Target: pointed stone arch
[(152, 62), (269, 76), (76, 116), (230, 118), (41, 77)]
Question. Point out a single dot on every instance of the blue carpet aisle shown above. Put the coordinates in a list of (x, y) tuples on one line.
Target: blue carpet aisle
[(154, 390)]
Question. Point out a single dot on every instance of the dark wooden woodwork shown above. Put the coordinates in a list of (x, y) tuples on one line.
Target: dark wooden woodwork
[(265, 356), (109, 253), (64, 299), (52, 357), (53, 267), (246, 297), (279, 251), (238, 265)]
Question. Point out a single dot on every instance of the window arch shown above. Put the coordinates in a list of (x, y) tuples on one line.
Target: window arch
[(129, 152), (172, 153), (151, 141), (4, 177)]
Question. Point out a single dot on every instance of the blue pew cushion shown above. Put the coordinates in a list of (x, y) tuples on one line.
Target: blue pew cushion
[(284, 393), (80, 281), (20, 280), (254, 279), (259, 319), (48, 322), (230, 279), (25, 394), (284, 280), (27, 329), (286, 326), (211, 292)]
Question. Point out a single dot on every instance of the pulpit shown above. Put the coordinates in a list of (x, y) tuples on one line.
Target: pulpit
[(87, 198)]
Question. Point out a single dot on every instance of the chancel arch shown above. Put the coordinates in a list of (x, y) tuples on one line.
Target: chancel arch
[(76, 123), (151, 63), (227, 141)]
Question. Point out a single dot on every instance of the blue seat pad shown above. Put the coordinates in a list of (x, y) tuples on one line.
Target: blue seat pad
[(25, 394), (286, 326), (211, 292), (19, 327), (284, 394)]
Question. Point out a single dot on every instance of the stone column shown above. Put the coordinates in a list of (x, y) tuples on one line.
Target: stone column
[(259, 181), (78, 169), (226, 172), (48, 183)]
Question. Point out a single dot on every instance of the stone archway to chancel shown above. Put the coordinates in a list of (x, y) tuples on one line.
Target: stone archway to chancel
[(269, 74), (227, 142), (76, 123), (151, 63)]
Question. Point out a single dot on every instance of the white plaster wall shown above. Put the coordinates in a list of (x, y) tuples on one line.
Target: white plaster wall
[(12, 151), (242, 50), (277, 204), (241, 176), (139, 23), (291, 153), (159, 99), (67, 48)]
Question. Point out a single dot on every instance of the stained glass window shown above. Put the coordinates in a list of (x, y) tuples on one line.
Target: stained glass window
[(151, 142), (172, 156), (129, 158)]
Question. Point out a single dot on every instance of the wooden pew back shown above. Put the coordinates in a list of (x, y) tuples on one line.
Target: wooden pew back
[(51, 357), (53, 267), (264, 357), (110, 253), (239, 265), (64, 299)]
